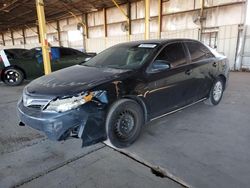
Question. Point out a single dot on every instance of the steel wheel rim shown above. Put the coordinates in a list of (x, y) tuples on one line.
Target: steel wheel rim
[(125, 125), (217, 91), (12, 76)]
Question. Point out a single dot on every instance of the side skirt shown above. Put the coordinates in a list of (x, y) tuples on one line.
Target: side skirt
[(178, 109)]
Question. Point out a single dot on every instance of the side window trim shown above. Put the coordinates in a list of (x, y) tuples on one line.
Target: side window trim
[(162, 48), (188, 51)]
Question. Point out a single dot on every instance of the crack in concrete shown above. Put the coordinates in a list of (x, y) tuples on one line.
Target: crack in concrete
[(38, 175), (156, 170)]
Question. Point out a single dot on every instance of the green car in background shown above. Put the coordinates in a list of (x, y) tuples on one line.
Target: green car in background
[(19, 64)]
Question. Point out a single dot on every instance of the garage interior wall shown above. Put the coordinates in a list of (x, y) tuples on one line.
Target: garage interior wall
[(220, 26)]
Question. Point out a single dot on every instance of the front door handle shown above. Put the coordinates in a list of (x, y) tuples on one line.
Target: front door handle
[(188, 72)]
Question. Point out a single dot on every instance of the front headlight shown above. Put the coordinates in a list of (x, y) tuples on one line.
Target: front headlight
[(63, 105)]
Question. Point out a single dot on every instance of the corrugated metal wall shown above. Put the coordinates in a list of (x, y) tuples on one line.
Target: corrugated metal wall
[(246, 52), (227, 42), (178, 21)]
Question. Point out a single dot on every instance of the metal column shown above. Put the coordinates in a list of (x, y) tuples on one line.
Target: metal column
[(3, 39), (23, 34), (159, 18), (147, 17), (201, 18), (43, 37)]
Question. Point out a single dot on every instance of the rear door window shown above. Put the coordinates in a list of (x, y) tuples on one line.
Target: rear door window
[(66, 52), (174, 54), (198, 51)]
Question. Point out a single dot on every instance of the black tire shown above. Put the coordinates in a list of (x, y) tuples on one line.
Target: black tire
[(214, 99), (13, 76), (124, 123)]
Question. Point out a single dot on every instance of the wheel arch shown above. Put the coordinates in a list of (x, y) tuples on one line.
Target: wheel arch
[(142, 104), (223, 77), (13, 66)]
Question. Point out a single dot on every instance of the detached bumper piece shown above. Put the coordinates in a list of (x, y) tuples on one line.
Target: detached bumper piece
[(86, 122)]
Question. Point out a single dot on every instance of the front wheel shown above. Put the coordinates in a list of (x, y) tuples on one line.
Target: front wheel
[(13, 76), (124, 123), (216, 92)]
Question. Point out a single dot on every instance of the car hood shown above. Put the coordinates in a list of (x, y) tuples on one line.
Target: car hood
[(73, 80)]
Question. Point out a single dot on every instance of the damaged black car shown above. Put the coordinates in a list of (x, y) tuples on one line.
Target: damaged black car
[(121, 89)]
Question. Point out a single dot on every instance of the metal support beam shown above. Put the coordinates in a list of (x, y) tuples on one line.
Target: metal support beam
[(105, 22), (23, 34), (31, 29), (58, 32), (201, 17), (84, 35), (43, 37), (127, 18), (86, 24), (159, 18), (105, 26), (147, 19), (3, 39), (12, 38), (241, 51)]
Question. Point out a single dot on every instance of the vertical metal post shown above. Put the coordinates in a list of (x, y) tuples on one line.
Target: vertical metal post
[(24, 38), (105, 25), (129, 20), (244, 35), (86, 26), (201, 17), (105, 22), (12, 38), (43, 37), (147, 17), (3, 39), (58, 32), (86, 31), (159, 18)]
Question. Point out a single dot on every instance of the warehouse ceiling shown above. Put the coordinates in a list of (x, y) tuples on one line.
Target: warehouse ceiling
[(17, 13)]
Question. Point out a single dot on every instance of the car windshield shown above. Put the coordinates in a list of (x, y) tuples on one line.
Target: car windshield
[(123, 56)]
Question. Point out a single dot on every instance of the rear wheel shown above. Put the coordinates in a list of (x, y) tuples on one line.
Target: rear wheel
[(216, 92), (13, 76), (124, 123)]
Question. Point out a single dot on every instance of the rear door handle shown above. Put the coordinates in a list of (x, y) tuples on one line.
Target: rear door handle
[(214, 64), (188, 72)]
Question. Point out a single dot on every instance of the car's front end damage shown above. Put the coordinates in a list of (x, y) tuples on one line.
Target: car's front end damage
[(62, 108), (79, 116)]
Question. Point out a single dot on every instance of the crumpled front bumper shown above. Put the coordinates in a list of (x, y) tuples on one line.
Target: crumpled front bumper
[(86, 122)]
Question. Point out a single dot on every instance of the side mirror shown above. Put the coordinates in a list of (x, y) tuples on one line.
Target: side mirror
[(159, 65)]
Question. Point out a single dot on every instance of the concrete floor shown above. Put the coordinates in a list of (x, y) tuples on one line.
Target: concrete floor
[(201, 146)]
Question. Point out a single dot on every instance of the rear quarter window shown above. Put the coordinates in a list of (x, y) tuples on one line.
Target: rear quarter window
[(198, 51)]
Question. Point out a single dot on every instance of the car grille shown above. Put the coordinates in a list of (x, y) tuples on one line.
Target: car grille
[(36, 106)]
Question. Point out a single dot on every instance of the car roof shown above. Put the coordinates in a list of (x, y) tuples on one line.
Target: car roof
[(159, 41)]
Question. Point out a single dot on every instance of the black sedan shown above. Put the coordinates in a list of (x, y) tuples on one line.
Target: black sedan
[(115, 93)]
